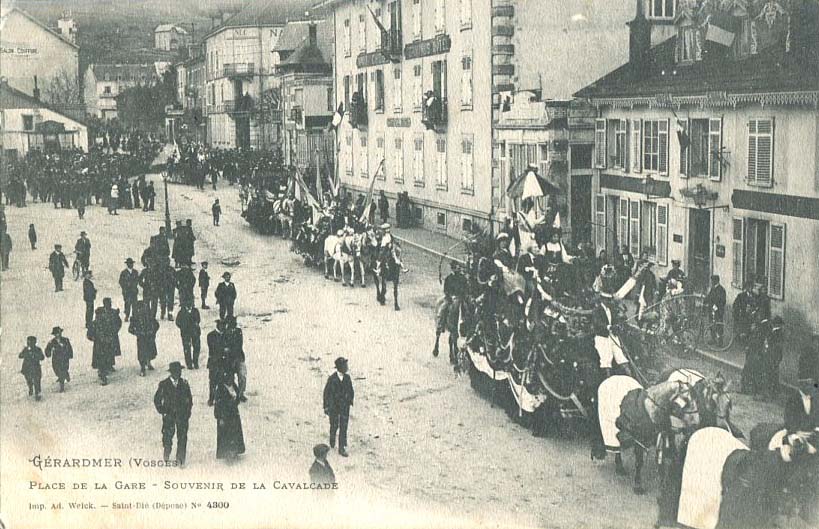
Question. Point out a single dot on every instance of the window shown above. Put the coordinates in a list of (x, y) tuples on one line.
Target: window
[(760, 152), (362, 30), (107, 89), (395, 32), (655, 146), (330, 101), (440, 17), (418, 161), (349, 154), (440, 161), (648, 228), (466, 82), (417, 22), (378, 77), (346, 93), (600, 144), (759, 254), (467, 163), (635, 144), (347, 38), (398, 159), (397, 96), (543, 159), (439, 85), (662, 9), (381, 150), (440, 219), (688, 46), (702, 157), (361, 85), (466, 225), (634, 227), (418, 87), (600, 222), (28, 122), (620, 144), (466, 14), (363, 158)]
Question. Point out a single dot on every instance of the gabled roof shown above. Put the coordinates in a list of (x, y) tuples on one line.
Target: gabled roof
[(123, 72), (266, 13), (11, 98), (296, 33), (170, 27), (8, 13)]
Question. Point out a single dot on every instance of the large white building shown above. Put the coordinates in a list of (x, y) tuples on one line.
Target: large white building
[(707, 149), (104, 82)]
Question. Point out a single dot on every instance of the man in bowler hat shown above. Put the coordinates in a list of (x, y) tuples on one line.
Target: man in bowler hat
[(129, 283), (338, 398), (61, 352), (225, 296), (173, 401)]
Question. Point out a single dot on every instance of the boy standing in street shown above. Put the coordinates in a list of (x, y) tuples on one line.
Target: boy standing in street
[(217, 212), (31, 370)]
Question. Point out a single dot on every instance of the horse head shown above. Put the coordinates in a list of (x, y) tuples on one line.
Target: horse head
[(716, 404), (674, 401)]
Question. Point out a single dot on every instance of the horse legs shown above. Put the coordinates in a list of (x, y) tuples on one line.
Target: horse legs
[(363, 274), (326, 267), (619, 469), (336, 266), (639, 454)]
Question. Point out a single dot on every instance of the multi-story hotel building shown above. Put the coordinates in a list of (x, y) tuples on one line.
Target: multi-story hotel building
[(707, 147)]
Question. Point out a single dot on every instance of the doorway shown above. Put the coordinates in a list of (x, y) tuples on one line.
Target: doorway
[(699, 249), (581, 212), (243, 132)]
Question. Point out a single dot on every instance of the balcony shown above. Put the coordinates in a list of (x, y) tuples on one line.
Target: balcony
[(392, 44), (242, 105), (108, 95), (239, 70), (435, 112)]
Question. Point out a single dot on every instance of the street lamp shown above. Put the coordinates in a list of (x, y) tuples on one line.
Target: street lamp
[(168, 232)]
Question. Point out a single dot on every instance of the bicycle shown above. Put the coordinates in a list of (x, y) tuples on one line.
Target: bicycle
[(76, 267)]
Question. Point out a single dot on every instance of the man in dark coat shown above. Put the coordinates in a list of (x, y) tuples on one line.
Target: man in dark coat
[(167, 293), (234, 339), (159, 243), (150, 279), (216, 211), (173, 400), (185, 281), (714, 304), (83, 249), (129, 283), (187, 320), (135, 194), (743, 311), (57, 263), (89, 295), (321, 473), (61, 352), (217, 357), (338, 398), (204, 283), (144, 326), (105, 334), (31, 370), (5, 249), (225, 296), (150, 193), (383, 206)]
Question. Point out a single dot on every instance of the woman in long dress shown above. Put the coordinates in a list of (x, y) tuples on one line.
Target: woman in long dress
[(230, 441)]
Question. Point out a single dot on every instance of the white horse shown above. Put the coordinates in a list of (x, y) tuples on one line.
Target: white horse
[(332, 252)]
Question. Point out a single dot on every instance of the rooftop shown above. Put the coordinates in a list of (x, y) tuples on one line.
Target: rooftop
[(124, 72), (10, 98), (4, 14), (267, 13), (170, 27)]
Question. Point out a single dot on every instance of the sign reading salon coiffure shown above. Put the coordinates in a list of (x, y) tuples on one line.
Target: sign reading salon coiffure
[(11, 49)]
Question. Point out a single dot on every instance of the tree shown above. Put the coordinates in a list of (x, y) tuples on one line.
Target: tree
[(143, 107), (62, 90)]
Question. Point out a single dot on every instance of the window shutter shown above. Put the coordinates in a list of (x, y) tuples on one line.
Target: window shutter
[(622, 144), (752, 152), (636, 143), (466, 81), (634, 236), (715, 148), (662, 234), (416, 19), (398, 160), (685, 153), (600, 143), (764, 152), (600, 222), (663, 146), (622, 231), (441, 162), (776, 261), (397, 102), (738, 249), (382, 155), (364, 159)]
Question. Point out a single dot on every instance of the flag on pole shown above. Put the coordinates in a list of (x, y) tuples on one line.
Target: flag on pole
[(368, 202), (682, 132), (378, 22), (337, 117), (319, 190), (311, 200)]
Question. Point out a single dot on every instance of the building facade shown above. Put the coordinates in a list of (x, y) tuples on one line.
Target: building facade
[(27, 123), (104, 82), (170, 37), (29, 50), (707, 149), (305, 50)]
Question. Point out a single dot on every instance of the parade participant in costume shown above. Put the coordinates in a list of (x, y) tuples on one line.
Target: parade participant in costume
[(31, 370), (455, 288), (556, 257), (61, 352)]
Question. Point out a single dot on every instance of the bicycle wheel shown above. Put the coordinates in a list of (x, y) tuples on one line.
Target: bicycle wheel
[(76, 269)]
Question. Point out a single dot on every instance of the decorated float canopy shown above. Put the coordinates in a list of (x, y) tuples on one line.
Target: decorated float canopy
[(531, 185)]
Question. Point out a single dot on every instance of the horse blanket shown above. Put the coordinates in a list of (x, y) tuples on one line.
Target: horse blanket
[(701, 491), (634, 423), (610, 395)]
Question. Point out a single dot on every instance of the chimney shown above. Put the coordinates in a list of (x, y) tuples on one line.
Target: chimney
[(36, 93), (639, 39), (312, 35)]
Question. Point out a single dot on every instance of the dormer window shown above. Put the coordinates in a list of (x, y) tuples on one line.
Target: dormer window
[(661, 9), (688, 44)]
